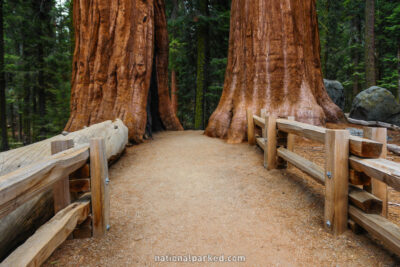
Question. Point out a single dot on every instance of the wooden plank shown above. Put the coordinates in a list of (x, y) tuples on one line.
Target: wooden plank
[(22, 185), (358, 146), (100, 199), (48, 237), (384, 170), (378, 226), (79, 185), (359, 178), (309, 131), (83, 172), (306, 166), (61, 188), (336, 180), (261, 142), (250, 128), (379, 188), (365, 148), (364, 200), (270, 151), (259, 121)]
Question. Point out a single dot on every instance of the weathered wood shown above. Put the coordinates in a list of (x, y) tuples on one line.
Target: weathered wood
[(79, 185), (336, 180), (291, 139), (270, 151), (378, 226), (61, 188), (364, 200), (306, 166), (358, 146), (373, 123), (379, 188), (48, 237), (261, 142), (259, 121), (17, 226), (250, 128), (395, 149), (22, 185), (309, 131), (384, 170), (359, 178), (99, 187)]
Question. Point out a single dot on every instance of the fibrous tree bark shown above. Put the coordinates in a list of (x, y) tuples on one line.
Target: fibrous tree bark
[(116, 45), (273, 63)]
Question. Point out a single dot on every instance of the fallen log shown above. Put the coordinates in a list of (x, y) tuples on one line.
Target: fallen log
[(373, 124), (16, 227), (395, 149)]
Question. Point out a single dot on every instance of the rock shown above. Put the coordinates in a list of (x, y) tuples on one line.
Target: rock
[(336, 92), (375, 104)]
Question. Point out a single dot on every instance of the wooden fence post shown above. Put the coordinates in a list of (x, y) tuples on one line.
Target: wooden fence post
[(99, 187), (251, 137), (379, 189), (291, 139), (61, 193), (336, 180), (263, 115), (270, 150)]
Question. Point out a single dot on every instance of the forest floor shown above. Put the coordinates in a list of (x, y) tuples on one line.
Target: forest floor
[(184, 193)]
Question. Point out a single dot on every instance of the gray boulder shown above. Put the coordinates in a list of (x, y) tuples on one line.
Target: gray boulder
[(336, 92), (375, 104)]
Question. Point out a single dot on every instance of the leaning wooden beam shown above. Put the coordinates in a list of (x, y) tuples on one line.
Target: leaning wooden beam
[(259, 121), (380, 227), (364, 200), (48, 237), (381, 169), (22, 185), (358, 146), (306, 166)]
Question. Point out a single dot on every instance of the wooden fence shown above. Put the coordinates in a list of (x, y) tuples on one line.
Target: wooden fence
[(355, 176), (80, 172)]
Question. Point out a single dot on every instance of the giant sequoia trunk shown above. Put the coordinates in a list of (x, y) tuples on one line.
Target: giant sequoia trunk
[(117, 43), (273, 63)]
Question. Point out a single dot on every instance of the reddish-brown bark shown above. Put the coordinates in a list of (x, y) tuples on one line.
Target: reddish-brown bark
[(273, 63), (174, 92), (115, 44)]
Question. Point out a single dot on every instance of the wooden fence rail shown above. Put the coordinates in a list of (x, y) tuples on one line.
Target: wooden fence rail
[(90, 192), (352, 164)]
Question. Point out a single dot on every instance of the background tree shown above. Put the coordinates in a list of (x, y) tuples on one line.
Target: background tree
[(370, 71), (3, 115), (273, 63)]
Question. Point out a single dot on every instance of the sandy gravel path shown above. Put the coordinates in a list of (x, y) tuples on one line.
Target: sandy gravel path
[(184, 193)]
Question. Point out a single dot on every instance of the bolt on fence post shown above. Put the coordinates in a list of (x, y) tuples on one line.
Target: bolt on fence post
[(336, 180)]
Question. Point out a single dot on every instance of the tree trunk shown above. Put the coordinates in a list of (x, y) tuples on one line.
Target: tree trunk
[(356, 34), (3, 115), (398, 70), (115, 42), (273, 63), (174, 92), (370, 70), (202, 37)]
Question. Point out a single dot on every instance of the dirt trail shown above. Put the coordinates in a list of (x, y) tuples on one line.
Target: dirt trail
[(184, 193)]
